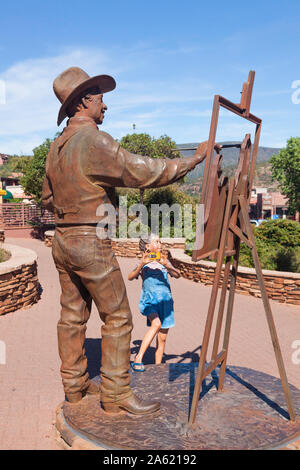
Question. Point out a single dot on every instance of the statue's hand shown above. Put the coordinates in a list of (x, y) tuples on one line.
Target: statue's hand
[(218, 148), (202, 149), (201, 152)]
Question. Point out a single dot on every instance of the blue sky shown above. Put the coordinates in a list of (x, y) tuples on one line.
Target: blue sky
[(168, 57)]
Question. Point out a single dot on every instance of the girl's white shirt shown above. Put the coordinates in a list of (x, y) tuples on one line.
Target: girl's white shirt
[(155, 265)]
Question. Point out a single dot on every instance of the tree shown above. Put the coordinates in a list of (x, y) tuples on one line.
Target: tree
[(14, 164), (34, 171), (286, 170), (19, 164), (144, 144), (169, 195)]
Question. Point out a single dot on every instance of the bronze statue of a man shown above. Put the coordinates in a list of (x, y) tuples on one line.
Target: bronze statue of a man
[(83, 168)]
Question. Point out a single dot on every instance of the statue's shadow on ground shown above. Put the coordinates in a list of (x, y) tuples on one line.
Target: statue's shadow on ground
[(179, 368), (275, 406), (149, 357), (212, 381), (93, 354)]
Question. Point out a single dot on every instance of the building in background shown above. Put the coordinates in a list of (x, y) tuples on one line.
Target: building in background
[(264, 205)]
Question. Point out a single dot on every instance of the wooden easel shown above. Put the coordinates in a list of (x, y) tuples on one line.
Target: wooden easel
[(222, 241)]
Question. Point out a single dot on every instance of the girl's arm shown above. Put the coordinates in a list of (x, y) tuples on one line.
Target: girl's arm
[(171, 269), (136, 272)]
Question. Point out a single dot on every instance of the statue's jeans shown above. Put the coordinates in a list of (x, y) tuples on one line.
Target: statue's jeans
[(88, 270)]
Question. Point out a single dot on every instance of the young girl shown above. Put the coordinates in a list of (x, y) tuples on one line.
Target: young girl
[(156, 301)]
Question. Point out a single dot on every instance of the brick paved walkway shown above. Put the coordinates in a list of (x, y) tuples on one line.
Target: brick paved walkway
[(30, 381)]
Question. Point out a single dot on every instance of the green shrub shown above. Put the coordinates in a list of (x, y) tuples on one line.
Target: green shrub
[(288, 259), (278, 246), (267, 255), (281, 232), (4, 255)]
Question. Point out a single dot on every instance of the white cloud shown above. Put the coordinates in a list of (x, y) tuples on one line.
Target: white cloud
[(31, 105), (21, 146)]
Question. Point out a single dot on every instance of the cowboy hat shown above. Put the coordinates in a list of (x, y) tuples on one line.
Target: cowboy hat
[(72, 82)]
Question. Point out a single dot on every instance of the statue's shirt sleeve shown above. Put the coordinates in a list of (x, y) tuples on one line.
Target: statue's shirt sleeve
[(108, 164)]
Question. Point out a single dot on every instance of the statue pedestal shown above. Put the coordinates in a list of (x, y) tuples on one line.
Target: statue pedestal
[(249, 414)]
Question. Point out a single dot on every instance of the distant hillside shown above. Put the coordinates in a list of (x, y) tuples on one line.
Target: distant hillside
[(262, 177), (230, 158)]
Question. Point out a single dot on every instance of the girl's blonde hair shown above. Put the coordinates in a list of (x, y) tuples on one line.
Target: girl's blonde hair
[(146, 240)]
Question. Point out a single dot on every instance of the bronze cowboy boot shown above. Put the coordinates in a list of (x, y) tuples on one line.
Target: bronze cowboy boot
[(92, 389), (132, 405)]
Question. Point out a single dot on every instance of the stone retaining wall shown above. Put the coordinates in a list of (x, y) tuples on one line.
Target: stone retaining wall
[(19, 286), (128, 247), (281, 286)]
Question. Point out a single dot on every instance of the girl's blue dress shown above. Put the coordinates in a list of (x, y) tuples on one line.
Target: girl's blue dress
[(156, 296)]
